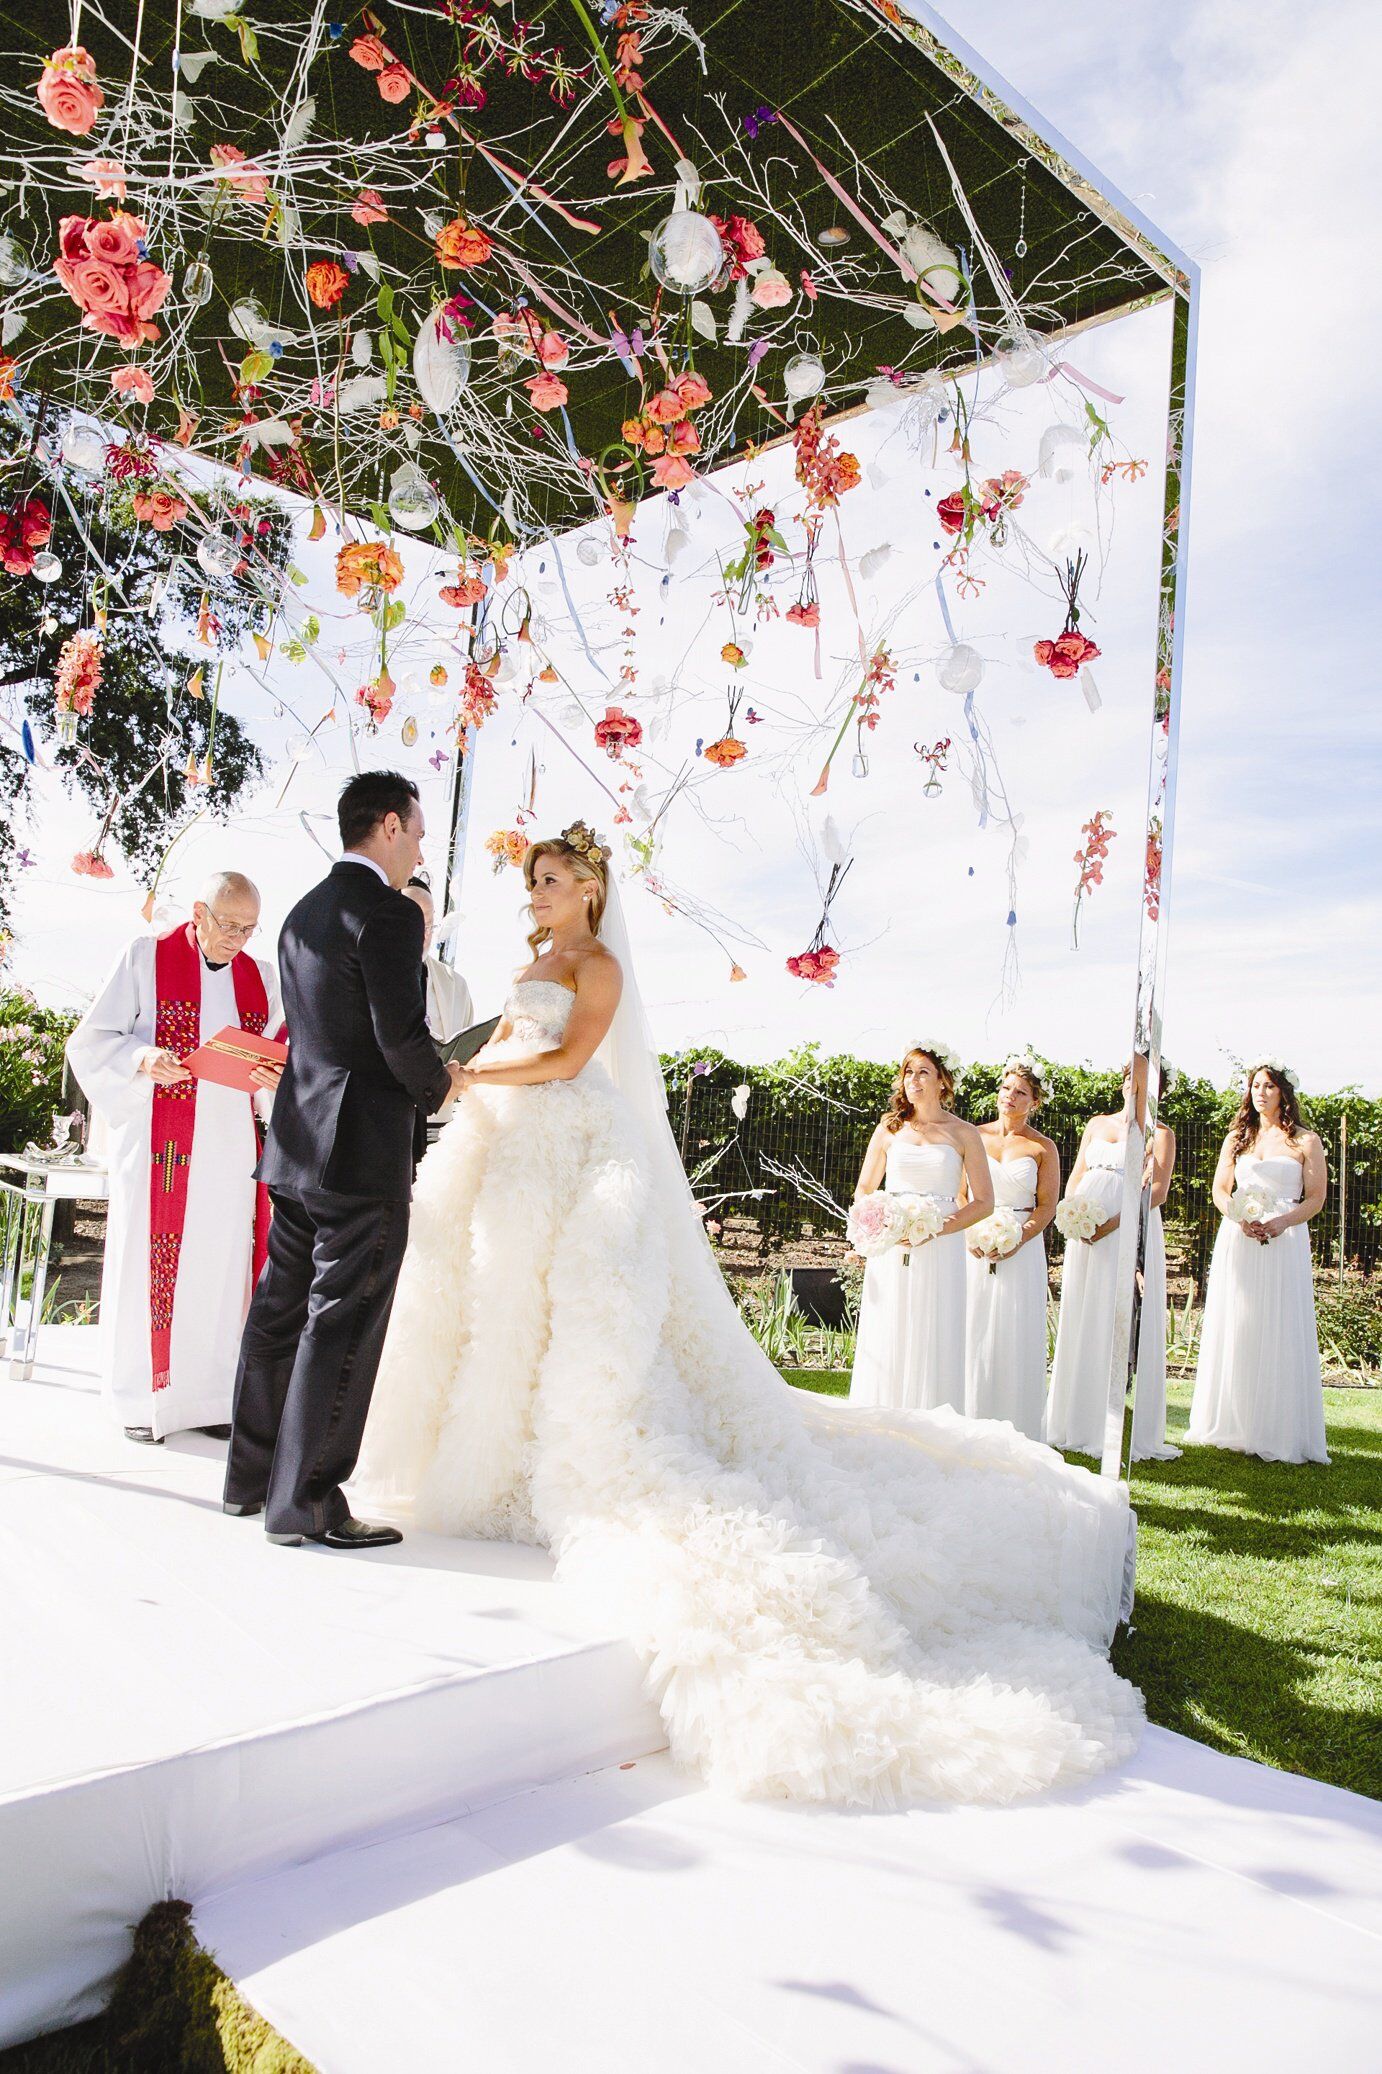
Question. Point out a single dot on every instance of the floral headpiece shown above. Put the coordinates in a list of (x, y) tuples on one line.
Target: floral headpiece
[(1033, 1065), (586, 844), (943, 1055), (1273, 1065)]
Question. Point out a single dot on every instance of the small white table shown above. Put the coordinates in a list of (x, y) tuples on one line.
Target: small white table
[(30, 1190)]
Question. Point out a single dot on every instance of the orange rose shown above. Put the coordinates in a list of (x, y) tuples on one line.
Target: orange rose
[(326, 283), (367, 565), (371, 52), (462, 244), (666, 407), (159, 508), (683, 438)]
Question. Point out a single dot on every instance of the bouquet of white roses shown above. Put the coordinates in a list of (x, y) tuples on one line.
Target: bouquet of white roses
[(925, 1217), (876, 1223), (1252, 1205), (997, 1236), (1077, 1217)]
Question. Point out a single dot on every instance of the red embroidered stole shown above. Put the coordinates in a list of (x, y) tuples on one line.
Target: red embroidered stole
[(178, 993)]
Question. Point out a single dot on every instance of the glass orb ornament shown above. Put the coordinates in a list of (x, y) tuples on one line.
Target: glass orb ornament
[(218, 556), (685, 252), (960, 668), (441, 363), (933, 788), (1022, 357), (14, 261), (804, 376), (198, 283), (589, 552), (47, 567), (249, 320), (413, 503)]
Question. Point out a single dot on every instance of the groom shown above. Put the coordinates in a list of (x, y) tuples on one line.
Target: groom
[(349, 1125)]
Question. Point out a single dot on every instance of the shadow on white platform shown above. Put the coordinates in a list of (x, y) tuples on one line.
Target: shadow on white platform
[(360, 1768)]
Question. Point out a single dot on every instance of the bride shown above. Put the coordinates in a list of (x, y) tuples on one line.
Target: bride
[(833, 1603)]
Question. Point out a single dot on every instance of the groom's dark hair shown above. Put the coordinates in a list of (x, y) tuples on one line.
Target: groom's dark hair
[(367, 798)]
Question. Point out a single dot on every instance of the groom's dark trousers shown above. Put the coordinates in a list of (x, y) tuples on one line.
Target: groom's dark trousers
[(348, 1127)]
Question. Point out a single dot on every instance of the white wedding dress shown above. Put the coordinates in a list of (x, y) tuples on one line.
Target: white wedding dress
[(1005, 1327), (1077, 1409), (832, 1604), (910, 1348), (1257, 1383)]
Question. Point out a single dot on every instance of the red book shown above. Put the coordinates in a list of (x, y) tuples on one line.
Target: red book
[(231, 1056)]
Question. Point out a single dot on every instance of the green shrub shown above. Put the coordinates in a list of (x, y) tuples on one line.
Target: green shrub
[(31, 1068)]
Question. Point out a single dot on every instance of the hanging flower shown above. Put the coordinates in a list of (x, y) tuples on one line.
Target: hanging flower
[(507, 846), (617, 732), (394, 83), (99, 265), (463, 244), (808, 615), (133, 381), (734, 655), (367, 565), (728, 751), (771, 289), (553, 351), (8, 368), (464, 592), (107, 176), (952, 511), (23, 532), (818, 965), (79, 673), (91, 864), (683, 438), (159, 509), (478, 699), (377, 697), (547, 391), (742, 241), (241, 172), (371, 53), (327, 283), (368, 207), (673, 473), (68, 93), (666, 407), (1067, 655), (1098, 832), (822, 468), (693, 389)]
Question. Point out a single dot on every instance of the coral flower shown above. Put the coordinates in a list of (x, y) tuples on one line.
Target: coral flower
[(394, 83), (734, 655), (803, 615), (1066, 656), (91, 864), (241, 171), (369, 207), (693, 390), (8, 367), (666, 407), (370, 52), (159, 509), (107, 176), (133, 381), (548, 391), (462, 244), (466, 591), (618, 731), (68, 93), (367, 565), (553, 351), (683, 438), (327, 283), (673, 473), (728, 751)]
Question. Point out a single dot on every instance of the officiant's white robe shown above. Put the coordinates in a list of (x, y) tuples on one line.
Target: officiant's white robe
[(216, 1263), (449, 1006)]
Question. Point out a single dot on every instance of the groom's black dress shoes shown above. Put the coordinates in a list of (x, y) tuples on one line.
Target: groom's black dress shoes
[(144, 1434), (350, 1533)]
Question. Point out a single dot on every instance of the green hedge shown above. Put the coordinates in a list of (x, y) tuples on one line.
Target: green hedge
[(31, 1068)]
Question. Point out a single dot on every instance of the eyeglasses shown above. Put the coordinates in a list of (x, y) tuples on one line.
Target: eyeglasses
[(242, 931)]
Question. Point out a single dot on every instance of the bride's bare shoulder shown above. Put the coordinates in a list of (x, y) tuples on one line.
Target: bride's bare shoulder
[(597, 968)]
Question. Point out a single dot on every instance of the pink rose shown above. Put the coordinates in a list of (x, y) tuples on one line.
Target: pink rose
[(159, 509), (68, 93), (250, 183), (683, 438), (369, 207), (547, 391), (116, 241), (148, 285), (132, 381), (771, 290), (666, 407), (693, 390), (72, 236), (394, 83), (552, 350), (107, 176), (671, 472), (96, 288)]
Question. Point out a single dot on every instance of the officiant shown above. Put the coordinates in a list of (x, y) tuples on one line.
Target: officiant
[(449, 1006), (187, 1224)]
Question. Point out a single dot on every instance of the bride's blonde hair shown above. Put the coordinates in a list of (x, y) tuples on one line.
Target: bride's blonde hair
[(579, 847)]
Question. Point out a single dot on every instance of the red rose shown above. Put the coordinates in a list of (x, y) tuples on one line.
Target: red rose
[(951, 512)]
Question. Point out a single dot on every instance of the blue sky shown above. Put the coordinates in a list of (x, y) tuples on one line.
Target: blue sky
[(1244, 132)]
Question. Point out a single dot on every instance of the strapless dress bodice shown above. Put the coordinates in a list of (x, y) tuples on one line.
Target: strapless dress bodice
[(1284, 1176), (538, 1011), (1014, 1182), (1106, 1153), (914, 1169)]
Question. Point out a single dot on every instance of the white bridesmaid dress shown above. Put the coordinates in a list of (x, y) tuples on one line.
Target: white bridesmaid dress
[(1005, 1322), (910, 1351), (1149, 1442), (1257, 1385), (1077, 1409)]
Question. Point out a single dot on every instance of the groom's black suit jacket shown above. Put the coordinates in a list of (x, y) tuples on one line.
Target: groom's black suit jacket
[(363, 1075)]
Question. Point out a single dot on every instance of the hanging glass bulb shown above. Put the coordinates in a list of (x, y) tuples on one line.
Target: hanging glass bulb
[(861, 764), (198, 283), (66, 728), (83, 448), (413, 503), (14, 261), (960, 668), (933, 788), (47, 567), (589, 552), (1022, 357), (249, 320), (441, 363), (804, 376), (685, 252), (218, 556)]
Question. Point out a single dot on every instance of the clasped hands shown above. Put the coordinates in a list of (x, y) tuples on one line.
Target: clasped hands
[(1265, 1229), (461, 1078)]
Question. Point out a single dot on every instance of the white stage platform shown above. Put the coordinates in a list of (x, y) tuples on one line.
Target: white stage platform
[(361, 1769), (186, 1705)]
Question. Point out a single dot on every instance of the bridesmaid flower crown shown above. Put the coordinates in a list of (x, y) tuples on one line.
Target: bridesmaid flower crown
[(944, 1055), (586, 844), (1032, 1064), (1273, 1065)]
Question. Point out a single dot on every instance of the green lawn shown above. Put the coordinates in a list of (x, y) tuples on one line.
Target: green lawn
[(1258, 1624)]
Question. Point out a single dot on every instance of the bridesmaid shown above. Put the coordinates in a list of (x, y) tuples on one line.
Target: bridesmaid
[(1077, 1409), (910, 1350), (1257, 1386), (1005, 1328), (1149, 1442)]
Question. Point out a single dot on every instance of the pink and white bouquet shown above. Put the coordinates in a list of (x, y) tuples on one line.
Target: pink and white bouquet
[(1077, 1217), (876, 1223), (997, 1236)]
